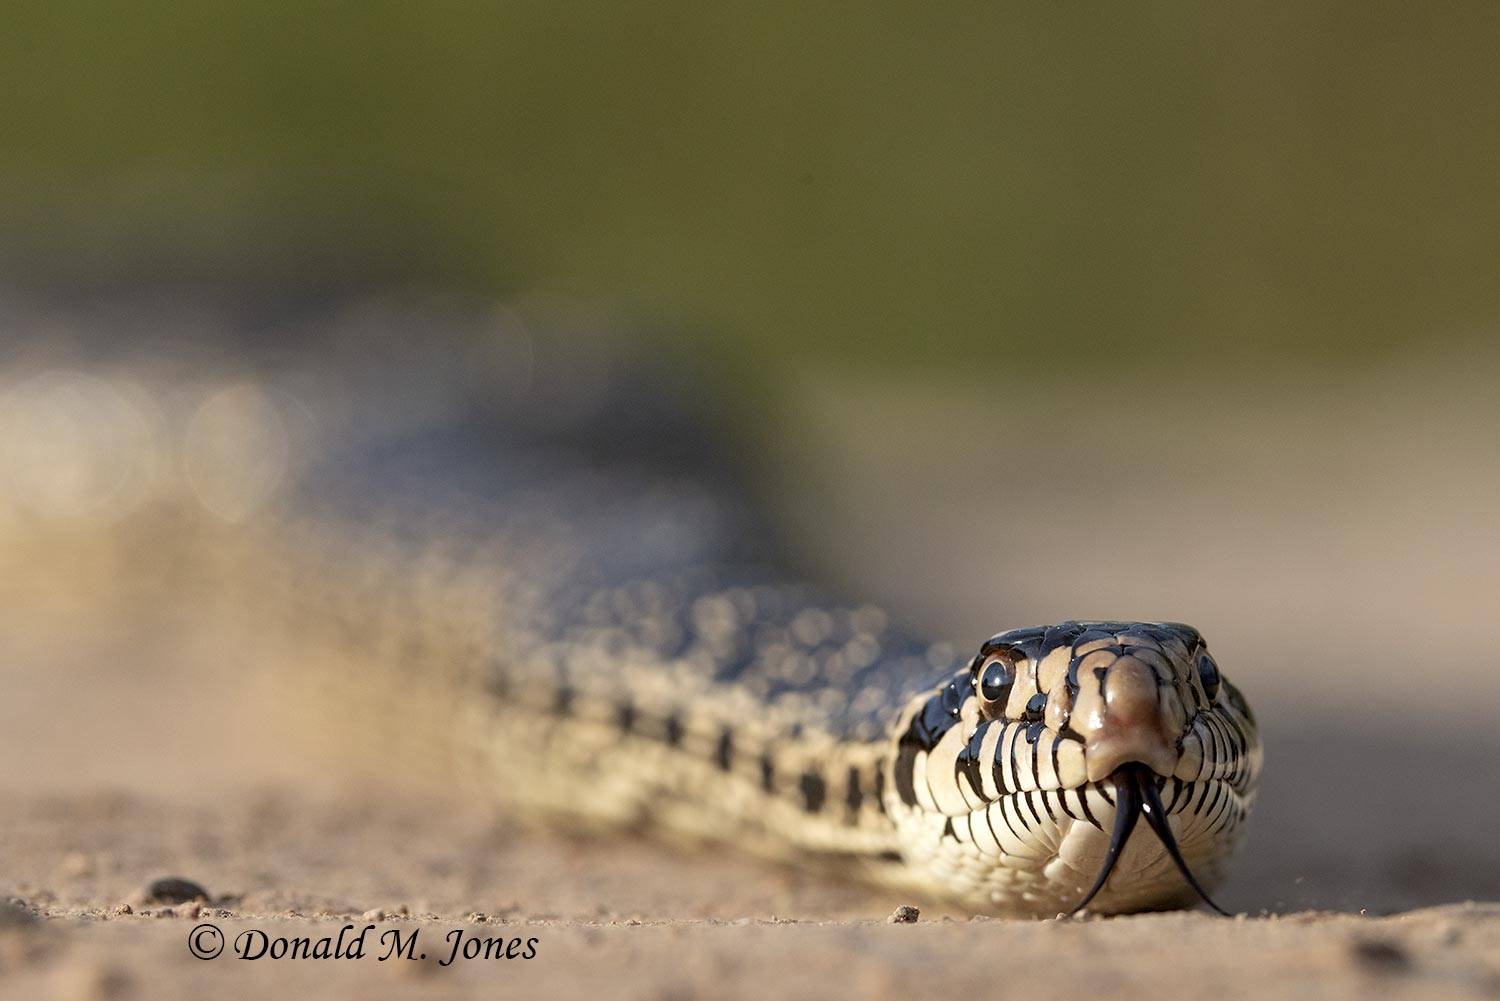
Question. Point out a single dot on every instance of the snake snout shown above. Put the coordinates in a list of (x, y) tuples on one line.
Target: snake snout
[(1128, 718)]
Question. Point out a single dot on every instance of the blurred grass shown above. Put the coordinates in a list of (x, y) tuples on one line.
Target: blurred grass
[(958, 185)]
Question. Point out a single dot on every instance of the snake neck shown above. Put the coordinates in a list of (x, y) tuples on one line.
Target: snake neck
[(702, 769), (613, 655)]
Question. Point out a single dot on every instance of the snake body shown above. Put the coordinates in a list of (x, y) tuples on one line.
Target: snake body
[(607, 619)]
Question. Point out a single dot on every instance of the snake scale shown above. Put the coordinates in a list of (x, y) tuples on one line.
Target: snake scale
[(546, 527)]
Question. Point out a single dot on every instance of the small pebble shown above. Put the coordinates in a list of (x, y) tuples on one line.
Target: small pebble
[(478, 917), (124, 909), (373, 914), (174, 890), (906, 914)]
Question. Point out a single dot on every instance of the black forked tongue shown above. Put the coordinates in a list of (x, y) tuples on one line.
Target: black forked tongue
[(1135, 794)]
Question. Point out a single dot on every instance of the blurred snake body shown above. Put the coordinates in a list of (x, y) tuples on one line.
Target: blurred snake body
[(569, 568)]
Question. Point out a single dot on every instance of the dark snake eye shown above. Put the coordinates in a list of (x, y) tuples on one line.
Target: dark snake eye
[(995, 681), (1208, 674)]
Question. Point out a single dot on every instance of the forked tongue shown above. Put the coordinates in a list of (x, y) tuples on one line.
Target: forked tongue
[(1135, 794)]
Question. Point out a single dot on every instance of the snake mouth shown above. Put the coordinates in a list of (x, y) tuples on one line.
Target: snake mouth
[(1136, 794)]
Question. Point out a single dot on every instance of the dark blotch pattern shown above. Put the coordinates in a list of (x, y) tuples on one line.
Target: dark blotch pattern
[(853, 794), (814, 791), (724, 752)]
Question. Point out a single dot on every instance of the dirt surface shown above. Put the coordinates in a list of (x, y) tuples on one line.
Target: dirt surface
[(625, 919), (133, 746)]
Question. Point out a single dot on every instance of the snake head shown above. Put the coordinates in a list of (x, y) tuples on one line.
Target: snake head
[(1040, 756)]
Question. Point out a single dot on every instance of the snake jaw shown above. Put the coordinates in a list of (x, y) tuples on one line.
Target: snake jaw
[(1137, 794)]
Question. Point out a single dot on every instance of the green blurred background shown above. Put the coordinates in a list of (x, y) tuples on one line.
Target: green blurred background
[(949, 185)]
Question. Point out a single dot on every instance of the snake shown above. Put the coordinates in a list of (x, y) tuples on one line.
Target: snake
[(550, 538)]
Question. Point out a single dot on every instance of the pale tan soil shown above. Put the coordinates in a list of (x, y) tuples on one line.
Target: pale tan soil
[(1355, 610), (623, 920)]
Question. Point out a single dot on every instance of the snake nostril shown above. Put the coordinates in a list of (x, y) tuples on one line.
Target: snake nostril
[(1036, 706)]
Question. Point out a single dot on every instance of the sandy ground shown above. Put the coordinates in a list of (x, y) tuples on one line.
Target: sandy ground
[(623, 920), (130, 748)]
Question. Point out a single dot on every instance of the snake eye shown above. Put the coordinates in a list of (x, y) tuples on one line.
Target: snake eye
[(993, 684), (1208, 674)]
